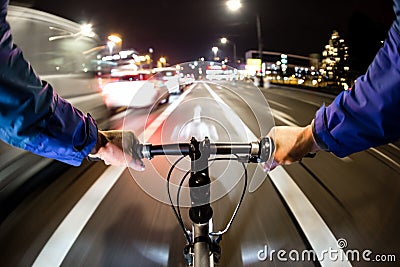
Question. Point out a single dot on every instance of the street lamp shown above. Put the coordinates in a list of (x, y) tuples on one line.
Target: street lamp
[(151, 51), (162, 61), (113, 40), (224, 40), (235, 5)]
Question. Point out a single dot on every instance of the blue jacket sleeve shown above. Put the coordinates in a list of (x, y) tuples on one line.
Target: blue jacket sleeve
[(32, 116), (369, 114)]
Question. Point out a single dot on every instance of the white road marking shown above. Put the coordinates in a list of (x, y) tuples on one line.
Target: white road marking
[(63, 238), (288, 120), (279, 104), (346, 159), (232, 115), (152, 128), (312, 103), (314, 227), (395, 147), (385, 157), (57, 247)]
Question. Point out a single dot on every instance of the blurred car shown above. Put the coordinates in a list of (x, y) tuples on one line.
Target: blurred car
[(170, 78), (135, 89), (57, 51), (188, 79)]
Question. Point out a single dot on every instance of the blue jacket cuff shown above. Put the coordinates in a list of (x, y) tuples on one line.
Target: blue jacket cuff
[(322, 135)]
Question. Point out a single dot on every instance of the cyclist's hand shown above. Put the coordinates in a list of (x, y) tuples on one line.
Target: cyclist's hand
[(291, 144), (119, 148)]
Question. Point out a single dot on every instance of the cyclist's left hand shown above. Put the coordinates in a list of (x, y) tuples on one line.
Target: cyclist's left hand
[(118, 148)]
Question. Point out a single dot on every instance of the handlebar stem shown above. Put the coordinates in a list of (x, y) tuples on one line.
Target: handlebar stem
[(199, 182)]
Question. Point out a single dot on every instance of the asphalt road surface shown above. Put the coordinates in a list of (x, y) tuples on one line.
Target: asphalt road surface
[(96, 215)]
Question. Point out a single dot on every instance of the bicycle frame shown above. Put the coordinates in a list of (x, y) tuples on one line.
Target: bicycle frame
[(200, 214)]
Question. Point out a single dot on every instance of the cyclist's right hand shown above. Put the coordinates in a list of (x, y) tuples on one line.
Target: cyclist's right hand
[(118, 148), (291, 144)]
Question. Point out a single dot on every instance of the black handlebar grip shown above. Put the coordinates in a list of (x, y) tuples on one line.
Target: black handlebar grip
[(267, 148), (89, 158)]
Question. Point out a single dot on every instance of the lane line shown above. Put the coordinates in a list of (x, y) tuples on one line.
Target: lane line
[(152, 128), (314, 227), (63, 238), (232, 115), (385, 157), (312, 103), (279, 104), (59, 244), (395, 147), (288, 120)]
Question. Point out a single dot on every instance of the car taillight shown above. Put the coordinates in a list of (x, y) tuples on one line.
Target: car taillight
[(145, 77)]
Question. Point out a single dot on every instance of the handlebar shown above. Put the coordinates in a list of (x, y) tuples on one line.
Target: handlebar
[(256, 152), (201, 244)]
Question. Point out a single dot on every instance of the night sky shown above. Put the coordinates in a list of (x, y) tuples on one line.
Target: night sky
[(184, 30)]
